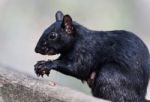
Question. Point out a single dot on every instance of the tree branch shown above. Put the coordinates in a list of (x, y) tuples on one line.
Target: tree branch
[(16, 86)]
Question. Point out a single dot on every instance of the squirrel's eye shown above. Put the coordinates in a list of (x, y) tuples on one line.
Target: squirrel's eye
[(53, 36)]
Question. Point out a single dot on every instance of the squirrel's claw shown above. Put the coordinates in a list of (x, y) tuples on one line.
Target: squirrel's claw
[(47, 74), (37, 74)]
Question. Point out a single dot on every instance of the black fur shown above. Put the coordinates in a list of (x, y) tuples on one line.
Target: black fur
[(119, 58)]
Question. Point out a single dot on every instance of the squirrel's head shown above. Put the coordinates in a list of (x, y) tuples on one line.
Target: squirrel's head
[(57, 38)]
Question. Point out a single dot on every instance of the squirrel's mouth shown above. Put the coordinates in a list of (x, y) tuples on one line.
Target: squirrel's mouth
[(46, 51), (52, 51)]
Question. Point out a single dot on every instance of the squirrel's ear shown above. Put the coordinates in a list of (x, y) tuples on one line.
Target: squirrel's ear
[(59, 16), (67, 24)]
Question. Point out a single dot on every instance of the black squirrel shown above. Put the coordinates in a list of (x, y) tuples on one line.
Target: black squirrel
[(115, 63)]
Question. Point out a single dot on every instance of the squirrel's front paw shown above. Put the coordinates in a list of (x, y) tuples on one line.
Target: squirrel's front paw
[(41, 68)]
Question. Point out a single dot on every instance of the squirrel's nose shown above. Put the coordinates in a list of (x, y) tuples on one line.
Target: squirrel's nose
[(37, 50)]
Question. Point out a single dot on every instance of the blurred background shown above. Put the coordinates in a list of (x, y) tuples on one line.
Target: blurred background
[(23, 21)]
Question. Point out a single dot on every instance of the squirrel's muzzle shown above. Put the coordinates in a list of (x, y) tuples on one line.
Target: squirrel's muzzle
[(37, 50)]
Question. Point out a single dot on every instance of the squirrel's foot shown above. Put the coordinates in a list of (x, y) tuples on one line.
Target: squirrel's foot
[(91, 80), (41, 68)]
